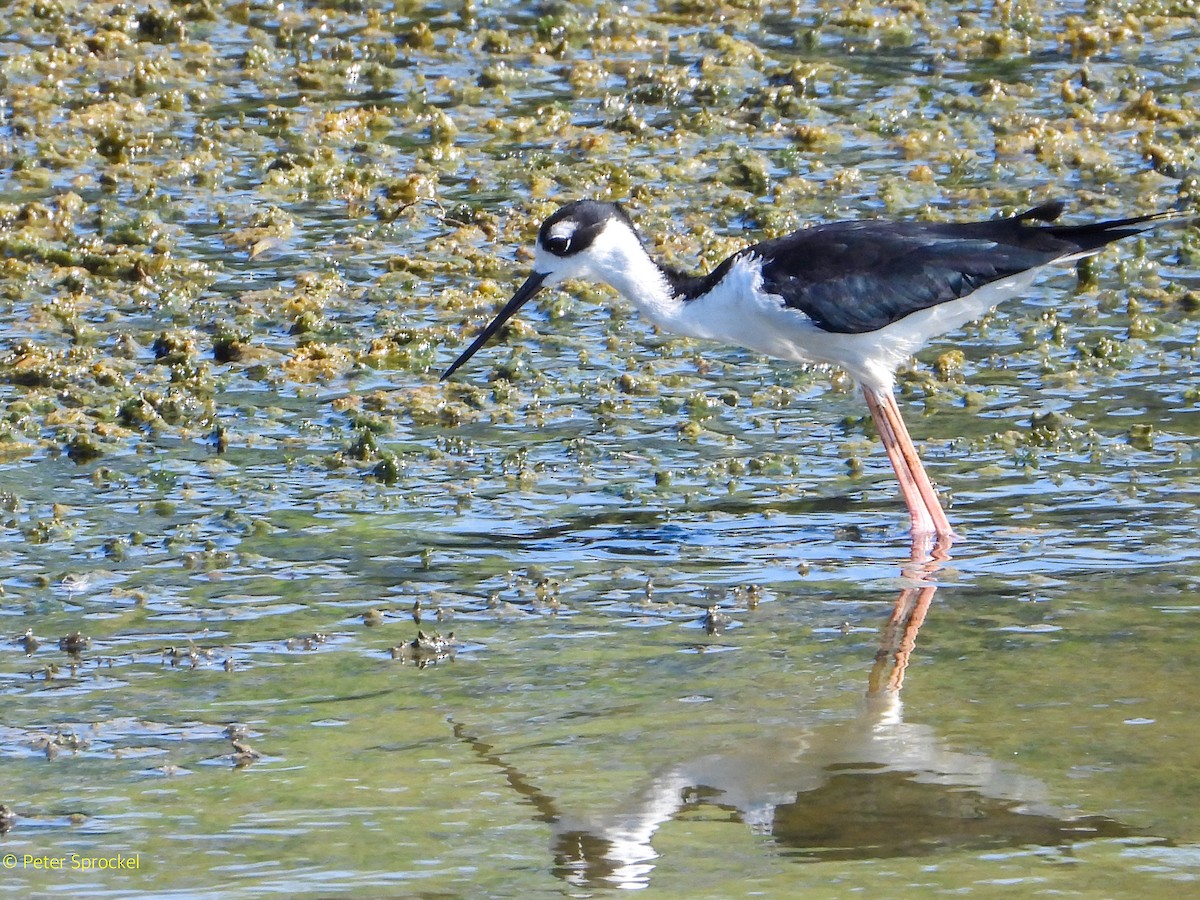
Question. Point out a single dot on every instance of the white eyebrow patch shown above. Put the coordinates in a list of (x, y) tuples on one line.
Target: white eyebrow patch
[(564, 229)]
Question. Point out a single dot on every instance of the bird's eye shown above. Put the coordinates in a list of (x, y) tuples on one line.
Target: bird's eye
[(558, 245)]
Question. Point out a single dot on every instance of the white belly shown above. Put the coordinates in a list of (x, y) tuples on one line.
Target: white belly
[(739, 312)]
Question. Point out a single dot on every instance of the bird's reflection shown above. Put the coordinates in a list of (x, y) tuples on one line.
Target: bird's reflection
[(874, 786)]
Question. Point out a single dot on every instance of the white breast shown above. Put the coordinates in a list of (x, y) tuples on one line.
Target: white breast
[(739, 311)]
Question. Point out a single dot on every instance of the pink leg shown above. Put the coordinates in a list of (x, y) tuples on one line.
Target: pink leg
[(919, 495)]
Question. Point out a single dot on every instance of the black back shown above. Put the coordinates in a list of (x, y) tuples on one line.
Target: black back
[(855, 277)]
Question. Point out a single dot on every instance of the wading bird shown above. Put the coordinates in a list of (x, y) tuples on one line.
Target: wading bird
[(861, 295)]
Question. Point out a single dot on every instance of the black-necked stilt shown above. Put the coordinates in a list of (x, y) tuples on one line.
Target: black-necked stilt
[(861, 295)]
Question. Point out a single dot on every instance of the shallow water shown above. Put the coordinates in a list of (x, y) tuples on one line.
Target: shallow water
[(239, 271)]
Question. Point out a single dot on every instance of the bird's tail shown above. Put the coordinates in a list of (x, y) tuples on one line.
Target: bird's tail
[(1091, 237)]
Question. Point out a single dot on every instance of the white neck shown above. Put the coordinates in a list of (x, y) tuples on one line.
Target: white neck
[(618, 258)]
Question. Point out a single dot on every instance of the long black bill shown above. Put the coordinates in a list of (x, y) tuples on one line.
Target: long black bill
[(524, 294)]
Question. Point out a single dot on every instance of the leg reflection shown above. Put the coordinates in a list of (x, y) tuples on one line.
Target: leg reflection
[(900, 635)]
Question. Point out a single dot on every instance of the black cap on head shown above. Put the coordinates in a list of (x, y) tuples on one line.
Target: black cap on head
[(573, 226), (569, 230)]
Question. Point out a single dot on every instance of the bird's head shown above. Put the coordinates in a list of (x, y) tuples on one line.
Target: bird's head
[(585, 239)]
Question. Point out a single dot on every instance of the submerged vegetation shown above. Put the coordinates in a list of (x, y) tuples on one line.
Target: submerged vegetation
[(284, 195)]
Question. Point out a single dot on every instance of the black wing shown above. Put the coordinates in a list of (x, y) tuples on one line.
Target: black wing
[(855, 277)]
